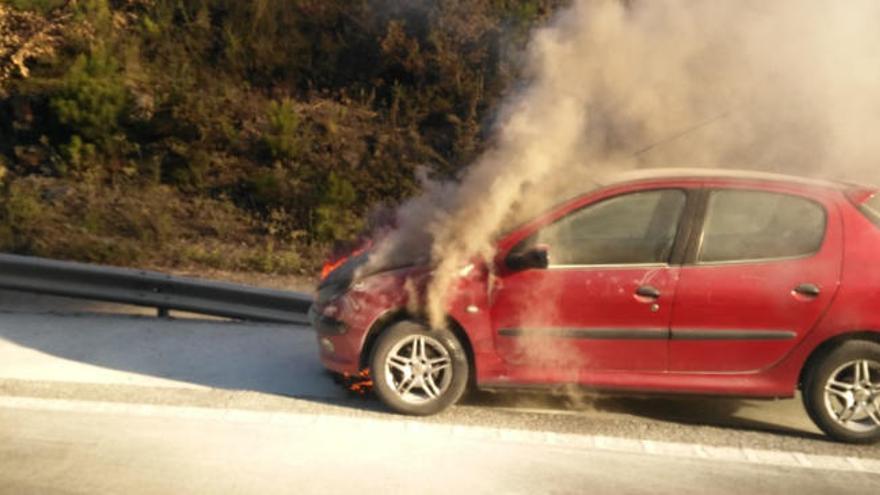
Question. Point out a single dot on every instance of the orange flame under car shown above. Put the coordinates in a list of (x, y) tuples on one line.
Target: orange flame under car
[(360, 382)]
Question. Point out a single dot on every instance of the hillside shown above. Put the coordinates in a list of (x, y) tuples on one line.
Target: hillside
[(231, 135)]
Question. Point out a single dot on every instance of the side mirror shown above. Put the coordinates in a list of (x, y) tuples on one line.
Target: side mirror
[(536, 257)]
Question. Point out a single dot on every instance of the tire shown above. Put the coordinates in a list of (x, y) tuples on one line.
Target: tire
[(418, 371), (847, 409)]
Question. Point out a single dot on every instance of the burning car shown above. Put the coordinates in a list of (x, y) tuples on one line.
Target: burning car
[(695, 282)]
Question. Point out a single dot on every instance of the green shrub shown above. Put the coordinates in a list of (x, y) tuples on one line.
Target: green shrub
[(91, 101), (78, 155), (284, 134), (22, 205), (335, 218), (21, 213)]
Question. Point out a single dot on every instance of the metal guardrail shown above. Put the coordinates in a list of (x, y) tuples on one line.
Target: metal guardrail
[(151, 289)]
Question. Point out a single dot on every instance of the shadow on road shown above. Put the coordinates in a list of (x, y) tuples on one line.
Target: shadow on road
[(774, 417), (726, 413), (276, 359), (282, 360)]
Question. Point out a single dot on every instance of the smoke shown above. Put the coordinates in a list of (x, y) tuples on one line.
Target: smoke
[(787, 85)]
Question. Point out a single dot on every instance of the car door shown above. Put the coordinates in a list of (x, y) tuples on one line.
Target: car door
[(604, 300), (765, 266)]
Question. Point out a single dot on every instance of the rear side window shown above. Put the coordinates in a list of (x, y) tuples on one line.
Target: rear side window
[(871, 209), (754, 225)]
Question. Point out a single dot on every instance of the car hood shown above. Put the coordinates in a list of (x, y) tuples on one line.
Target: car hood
[(357, 268)]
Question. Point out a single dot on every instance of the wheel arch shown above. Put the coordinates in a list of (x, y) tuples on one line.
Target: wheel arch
[(829, 345)]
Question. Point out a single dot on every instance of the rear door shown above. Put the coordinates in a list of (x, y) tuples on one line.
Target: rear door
[(605, 301), (763, 269)]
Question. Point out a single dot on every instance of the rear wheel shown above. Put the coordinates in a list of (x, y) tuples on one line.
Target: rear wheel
[(417, 370), (842, 393)]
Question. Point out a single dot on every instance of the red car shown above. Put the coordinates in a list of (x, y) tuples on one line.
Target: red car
[(696, 282)]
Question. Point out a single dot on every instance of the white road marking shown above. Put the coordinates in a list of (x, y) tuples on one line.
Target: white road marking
[(393, 428)]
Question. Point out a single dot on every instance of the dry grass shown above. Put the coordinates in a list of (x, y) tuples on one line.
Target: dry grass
[(153, 227)]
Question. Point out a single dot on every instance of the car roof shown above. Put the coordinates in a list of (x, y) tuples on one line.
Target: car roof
[(715, 173)]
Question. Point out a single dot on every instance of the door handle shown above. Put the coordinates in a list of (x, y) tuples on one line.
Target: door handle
[(648, 291), (808, 290)]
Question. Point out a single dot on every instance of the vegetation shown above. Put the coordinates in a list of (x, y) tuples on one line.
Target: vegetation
[(237, 135)]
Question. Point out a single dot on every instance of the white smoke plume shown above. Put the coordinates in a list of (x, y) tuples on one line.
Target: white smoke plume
[(782, 85)]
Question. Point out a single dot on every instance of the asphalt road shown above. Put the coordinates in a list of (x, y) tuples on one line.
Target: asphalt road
[(186, 451), (119, 403)]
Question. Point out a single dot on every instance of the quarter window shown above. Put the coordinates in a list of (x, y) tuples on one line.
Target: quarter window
[(633, 228), (755, 225)]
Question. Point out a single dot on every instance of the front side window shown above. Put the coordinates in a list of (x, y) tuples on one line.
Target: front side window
[(634, 228), (755, 225)]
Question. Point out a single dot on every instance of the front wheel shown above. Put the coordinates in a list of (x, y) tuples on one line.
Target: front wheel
[(842, 393), (417, 370)]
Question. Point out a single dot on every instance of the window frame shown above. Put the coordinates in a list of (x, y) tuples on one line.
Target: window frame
[(696, 248), (679, 242)]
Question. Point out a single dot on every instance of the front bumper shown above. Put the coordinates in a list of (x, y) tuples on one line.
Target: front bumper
[(338, 343)]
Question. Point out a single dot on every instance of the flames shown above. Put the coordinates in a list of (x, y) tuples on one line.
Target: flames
[(329, 266), (360, 383)]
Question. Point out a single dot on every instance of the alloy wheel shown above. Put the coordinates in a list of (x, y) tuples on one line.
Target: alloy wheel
[(419, 369), (852, 395)]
